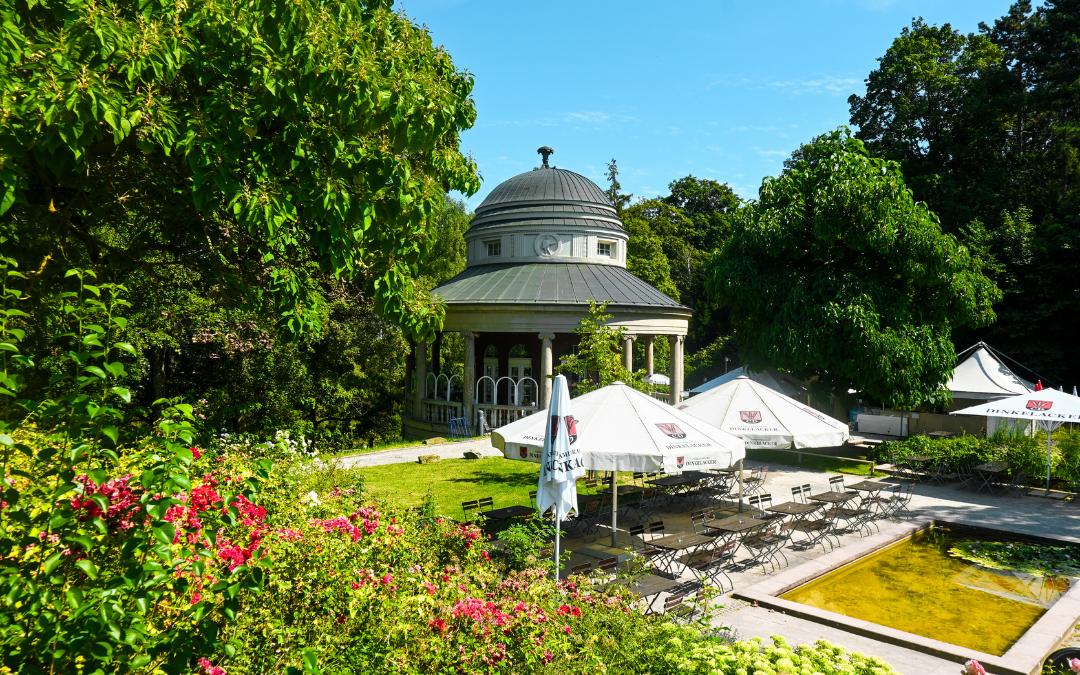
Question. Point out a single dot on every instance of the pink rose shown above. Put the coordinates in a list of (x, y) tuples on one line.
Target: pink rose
[(973, 667)]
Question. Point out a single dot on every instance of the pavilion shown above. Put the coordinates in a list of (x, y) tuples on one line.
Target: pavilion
[(540, 247)]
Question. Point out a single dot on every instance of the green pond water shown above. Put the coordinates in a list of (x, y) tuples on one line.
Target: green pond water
[(915, 586)]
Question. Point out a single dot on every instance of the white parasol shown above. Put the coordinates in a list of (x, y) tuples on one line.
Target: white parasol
[(1049, 407), (622, 429), (560, 464), (765, 418)]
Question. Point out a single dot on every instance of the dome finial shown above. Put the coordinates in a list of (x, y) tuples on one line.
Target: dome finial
[(545, 152)]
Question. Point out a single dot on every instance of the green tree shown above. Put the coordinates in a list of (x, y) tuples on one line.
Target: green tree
[(645, 256), (984, 127), (278, 141), (924, 107), (709, 204), (614, 192), (598, 360), (837, 272)]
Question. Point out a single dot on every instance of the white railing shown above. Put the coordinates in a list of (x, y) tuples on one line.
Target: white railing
[(440, 412), (497, 415), (431, 390)]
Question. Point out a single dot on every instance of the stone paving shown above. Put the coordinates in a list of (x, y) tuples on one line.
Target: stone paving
[(1020, 514)]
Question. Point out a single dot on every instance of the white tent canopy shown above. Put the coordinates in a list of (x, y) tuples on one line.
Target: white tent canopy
[(982, 376), (765, 418), (1049, 407), (785, 384), (622, 429)]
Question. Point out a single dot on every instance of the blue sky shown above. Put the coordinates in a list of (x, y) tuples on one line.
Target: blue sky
[(723, 89)]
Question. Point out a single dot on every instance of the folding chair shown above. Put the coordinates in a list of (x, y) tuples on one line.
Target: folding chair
[(759, 504), (640, 546), (764, 544), (680, 606), (698, 519), (605, 570), (858, 517), (485, 504), (755, 482), (583, 568), (656, 529), (710, 564), (468, 506)]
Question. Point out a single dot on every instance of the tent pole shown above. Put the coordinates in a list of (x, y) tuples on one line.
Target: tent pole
[(614, 505)]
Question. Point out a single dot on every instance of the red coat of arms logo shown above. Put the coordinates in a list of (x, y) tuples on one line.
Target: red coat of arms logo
[(571, 428), (680, 461), (1039, 406), (671, 429), (523, 452), (750, 416)]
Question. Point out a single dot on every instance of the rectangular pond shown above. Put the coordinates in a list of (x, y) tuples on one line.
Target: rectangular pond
[(917, 587), (901, 587)]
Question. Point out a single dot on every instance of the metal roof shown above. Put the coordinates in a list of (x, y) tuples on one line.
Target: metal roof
[(552, 283), (545, 194)]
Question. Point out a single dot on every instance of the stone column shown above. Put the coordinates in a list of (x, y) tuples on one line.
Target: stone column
[(420, 370), (545, 369), (628, 352), (676, 342), (468, 379), (649, 363)]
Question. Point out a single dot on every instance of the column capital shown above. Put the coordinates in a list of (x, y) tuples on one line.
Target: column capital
[(630, 336), (546, 336)]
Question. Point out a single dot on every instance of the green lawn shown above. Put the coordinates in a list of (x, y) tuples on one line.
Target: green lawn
[(836, 464), (508, 482), (453, 481)]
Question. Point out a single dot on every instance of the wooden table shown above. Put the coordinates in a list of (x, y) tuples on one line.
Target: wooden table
[(734, 524), (672, 481), (624, 490), (508, 512), (645, 585), (794, 508), (869, 486), (990, 473), (673, 544), (835, 498)]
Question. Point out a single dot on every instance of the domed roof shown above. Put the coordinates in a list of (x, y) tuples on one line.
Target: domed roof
[(547, 195), (546, 184)]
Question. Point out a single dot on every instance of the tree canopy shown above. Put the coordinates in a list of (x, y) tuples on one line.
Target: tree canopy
[(271, 140), (836, 272), (984, 126)]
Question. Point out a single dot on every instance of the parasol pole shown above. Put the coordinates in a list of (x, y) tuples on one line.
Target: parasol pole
[(740, 485), (614, 505), (558, 531)]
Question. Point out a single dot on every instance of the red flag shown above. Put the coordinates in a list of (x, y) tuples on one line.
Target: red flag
[(1038, 385)]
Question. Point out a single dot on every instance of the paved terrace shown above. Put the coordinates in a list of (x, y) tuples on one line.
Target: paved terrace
[(1023, 515)]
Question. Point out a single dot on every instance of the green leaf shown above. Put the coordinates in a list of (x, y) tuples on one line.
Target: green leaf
[(164, 533), (87, 567), (125, 347), (96, 371), (311, 661), (52, 562), (112, 433)]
